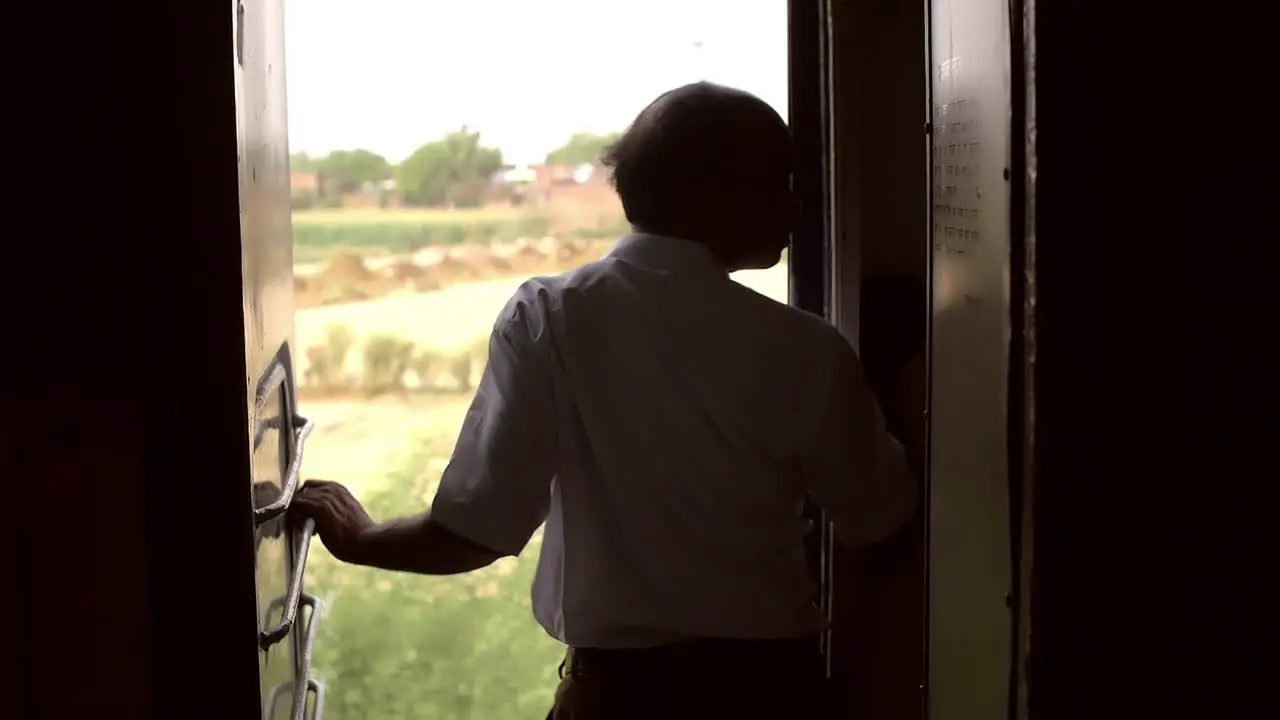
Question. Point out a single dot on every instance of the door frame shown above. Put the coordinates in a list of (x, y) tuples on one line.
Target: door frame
[(842, 93), (809, 256)]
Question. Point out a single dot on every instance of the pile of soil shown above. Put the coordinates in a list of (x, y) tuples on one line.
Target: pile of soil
[(526, 259), (426, 283), (499, 264), (349, 267), (406, 270), (450, 269), (528, 253), (569, 250)]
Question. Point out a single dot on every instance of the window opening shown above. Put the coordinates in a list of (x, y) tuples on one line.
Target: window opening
[(443, 152)]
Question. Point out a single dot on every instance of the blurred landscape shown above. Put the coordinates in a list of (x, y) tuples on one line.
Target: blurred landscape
[(443, 152), (394, 304)]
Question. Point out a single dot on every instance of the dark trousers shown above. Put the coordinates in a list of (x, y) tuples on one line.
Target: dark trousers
[(709, 678)]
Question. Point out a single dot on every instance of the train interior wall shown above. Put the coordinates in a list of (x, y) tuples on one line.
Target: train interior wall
[(1138, 202)]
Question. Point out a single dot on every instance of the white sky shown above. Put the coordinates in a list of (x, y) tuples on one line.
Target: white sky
[(390, 75)]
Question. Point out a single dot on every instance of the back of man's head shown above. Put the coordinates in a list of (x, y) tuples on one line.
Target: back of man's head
[(711, 164)]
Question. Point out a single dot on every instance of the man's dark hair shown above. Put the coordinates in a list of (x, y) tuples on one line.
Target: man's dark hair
[(690, 140)]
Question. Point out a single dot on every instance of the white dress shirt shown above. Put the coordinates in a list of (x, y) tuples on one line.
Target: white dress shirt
[(667, 423)]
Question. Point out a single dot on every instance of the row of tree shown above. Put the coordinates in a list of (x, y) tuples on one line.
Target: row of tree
[(453, 170)]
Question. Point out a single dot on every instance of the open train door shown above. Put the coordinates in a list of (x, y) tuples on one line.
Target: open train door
[(287, 615)]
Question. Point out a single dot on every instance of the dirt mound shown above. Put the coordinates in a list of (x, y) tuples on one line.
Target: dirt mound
[(528, 252), (406, 270), (499, 264), (347, 266), (569, 250), (450, 269)]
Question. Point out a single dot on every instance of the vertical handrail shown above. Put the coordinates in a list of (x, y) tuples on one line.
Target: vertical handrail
[(306, 685), (293, 596)]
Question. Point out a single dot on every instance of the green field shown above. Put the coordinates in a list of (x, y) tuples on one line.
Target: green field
[(395, 646), (406, 216), (320, 234)]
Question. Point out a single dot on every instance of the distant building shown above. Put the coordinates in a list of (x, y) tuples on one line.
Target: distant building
[(519, 175), (303, 182), (542, 185), (380, 194)]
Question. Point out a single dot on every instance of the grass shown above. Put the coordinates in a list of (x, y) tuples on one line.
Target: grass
[(396, 646), (318, 238), (404, 216), (321, 234)]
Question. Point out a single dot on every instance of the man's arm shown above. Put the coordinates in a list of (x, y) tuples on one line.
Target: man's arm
[(496, 490), (856, 470), (416, 544), (419, 545), (494, 493)]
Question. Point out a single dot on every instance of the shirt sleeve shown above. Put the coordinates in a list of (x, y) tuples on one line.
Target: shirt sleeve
[(496, 489), (851, 465)]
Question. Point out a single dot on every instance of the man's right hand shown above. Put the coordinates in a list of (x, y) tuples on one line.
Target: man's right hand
[(340, 519)]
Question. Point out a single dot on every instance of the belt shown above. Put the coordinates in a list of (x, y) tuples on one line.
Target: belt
[(689, 656)]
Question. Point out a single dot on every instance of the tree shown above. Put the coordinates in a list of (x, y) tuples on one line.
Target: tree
[(302, 162), (582, 148), (454, 169), (346, 171)]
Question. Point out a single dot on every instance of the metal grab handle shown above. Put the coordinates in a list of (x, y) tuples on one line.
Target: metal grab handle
[(277, 507), (300, 690), (315, 688), (289, 611), (279, 378)]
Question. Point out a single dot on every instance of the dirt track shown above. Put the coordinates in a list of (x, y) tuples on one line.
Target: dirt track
[(451, 318)]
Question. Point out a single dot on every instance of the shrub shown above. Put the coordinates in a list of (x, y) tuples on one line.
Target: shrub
[(386, 359), (427, 366), (468, 193), (460, 367), (326, 363), (318, 367), (303, 200), (479, 350), (468, 362), (338, 338)]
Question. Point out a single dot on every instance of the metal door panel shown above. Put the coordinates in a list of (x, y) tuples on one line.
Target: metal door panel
[(268, 316), (969, 555)]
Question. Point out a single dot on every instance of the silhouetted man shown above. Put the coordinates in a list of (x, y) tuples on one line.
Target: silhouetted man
[(667, 424)]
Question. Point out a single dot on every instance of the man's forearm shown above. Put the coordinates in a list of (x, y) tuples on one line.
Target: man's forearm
[(419, 545)]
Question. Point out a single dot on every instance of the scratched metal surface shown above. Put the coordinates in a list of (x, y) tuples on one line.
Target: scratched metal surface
[(266, 241), (970, 573), (1022, 706)]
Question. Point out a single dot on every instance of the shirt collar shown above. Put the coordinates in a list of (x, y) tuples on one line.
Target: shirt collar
[(661, 252)]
